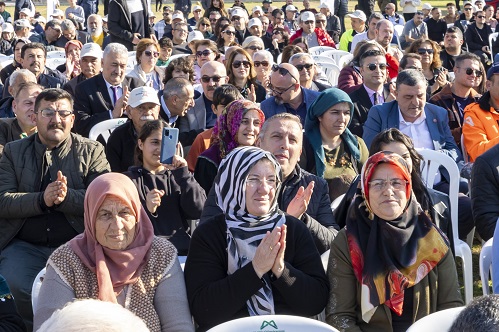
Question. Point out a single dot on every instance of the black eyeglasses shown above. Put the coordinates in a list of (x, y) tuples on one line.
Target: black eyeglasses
[(306, 66), (425, 50), (149, 53), (283, 71), (263, 63), (229, 32), (470, 71), (203, 53), (205, 24), (48, 113), (373, 66), (309, 22), (276, 92), (207, 79), (255, 48), (237, 64)]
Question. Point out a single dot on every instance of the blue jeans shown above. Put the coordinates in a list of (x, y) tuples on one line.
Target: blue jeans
[(20, 262)]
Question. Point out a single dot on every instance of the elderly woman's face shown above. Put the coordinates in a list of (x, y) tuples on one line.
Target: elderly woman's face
[(262, 65), (305, 66), (249, 128), (335, 120), (387, 192), (115, 224), (150, 56), (424, 51), (73, 51), (260, 188), (400, 149)]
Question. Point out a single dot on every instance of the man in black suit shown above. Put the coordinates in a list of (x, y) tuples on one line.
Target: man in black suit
[(104, 96), (372, 91)]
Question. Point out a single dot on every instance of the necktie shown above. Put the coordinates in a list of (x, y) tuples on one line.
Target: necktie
[(375, 98), (115, 94)]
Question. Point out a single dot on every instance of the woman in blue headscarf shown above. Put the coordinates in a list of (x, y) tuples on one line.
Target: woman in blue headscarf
[(331, 150)]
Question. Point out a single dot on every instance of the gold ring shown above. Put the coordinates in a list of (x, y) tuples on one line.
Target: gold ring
[(271, 248)]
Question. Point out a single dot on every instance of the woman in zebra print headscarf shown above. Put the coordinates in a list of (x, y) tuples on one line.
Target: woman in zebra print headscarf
[(253, 259)]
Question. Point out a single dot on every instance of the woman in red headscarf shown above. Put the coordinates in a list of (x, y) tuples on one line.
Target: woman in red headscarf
[(117, 259), (391, 265)]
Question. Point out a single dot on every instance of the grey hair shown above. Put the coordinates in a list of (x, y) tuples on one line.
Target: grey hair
[(266, 54), (67, 25), (377, 16), (298, 56), (410, 77), (99, 18), (481, 314), (252, 39), (21, 72), (93, 315), (175, 87), (115, 48), (280, 116)]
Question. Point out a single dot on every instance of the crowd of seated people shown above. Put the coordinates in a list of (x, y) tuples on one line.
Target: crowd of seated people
[(267, 140)]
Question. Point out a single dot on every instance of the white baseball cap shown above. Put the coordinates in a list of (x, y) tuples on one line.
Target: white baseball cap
[(307, 16), (91, 49), (358, 14), (237, 12), (26, 11), (254, 21), (257, 9), (141, 95), (194, 35), (41, 19), (177, 16), (57, 12), (7, 27), (196, 8), (427, 6), (291, 8)]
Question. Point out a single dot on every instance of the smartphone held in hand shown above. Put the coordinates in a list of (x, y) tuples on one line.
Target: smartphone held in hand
[(169, 145)]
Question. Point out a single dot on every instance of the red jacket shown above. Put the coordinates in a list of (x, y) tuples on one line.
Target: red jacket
[(322, 37)]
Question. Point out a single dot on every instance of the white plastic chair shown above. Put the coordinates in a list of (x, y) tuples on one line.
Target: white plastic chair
[(53, 63), (345, 60), (317, 50), (56, 55), (279, 58), (335, 54), (176, 56), (273, 323), (35, 290), (463, 150), (105, 128), (492, 39), (321, 58), (4, 63), (485, 263), (399, 30), (433, 160), (336, 202), (325, 259), (331, 71), (439, 321)]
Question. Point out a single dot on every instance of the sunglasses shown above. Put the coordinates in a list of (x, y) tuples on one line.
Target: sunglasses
[(283, 71), (306, 66), (205, 24), (149, 53), (480, 16), (467, 8), (373, 66), (255, 48), (320, 21), (213, 20), (203, 53), (470, 71), (229, 32), (50, 113), (425, 50), (207, 79), (309, 22), (235, 18), (263, 63), (237, 64), (277, 33)]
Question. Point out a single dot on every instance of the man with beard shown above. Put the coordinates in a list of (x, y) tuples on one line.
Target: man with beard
[(104, 96), (455, 96), (453, 47), (201, 116), (94, 28), (413, 29), (90, 65), (436, 26), (384, 36), (43, 182), (143, 106), (288, 95)]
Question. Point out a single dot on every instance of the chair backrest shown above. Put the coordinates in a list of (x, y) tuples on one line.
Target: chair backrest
[(325, 259), (492, 39), (273, 323), (463, 150), (345, 60), (335, 54), (398, 29), (432, 161), (53, 63), (56, 55), (485, 263), (316, 50), (336, 202), (331, 71), (321, 58), (4, 63), (279, 58), (439, 321), (176, 56), (35, 290), (105, 128)]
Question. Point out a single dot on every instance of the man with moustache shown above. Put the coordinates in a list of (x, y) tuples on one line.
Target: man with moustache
[(104, 96), (43, 179), (384, 35), (23, 125), (201, 116), (288, 95), (143, 106), (90, 65), (453, 47), (94, 28)]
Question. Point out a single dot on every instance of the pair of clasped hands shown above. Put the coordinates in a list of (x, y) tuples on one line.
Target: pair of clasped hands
[(269, 254), (56, 191)]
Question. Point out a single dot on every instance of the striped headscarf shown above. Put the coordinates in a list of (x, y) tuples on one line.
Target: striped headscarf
[(246, 231)]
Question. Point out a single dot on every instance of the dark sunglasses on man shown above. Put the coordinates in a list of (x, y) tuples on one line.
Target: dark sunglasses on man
[(282, 71)]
